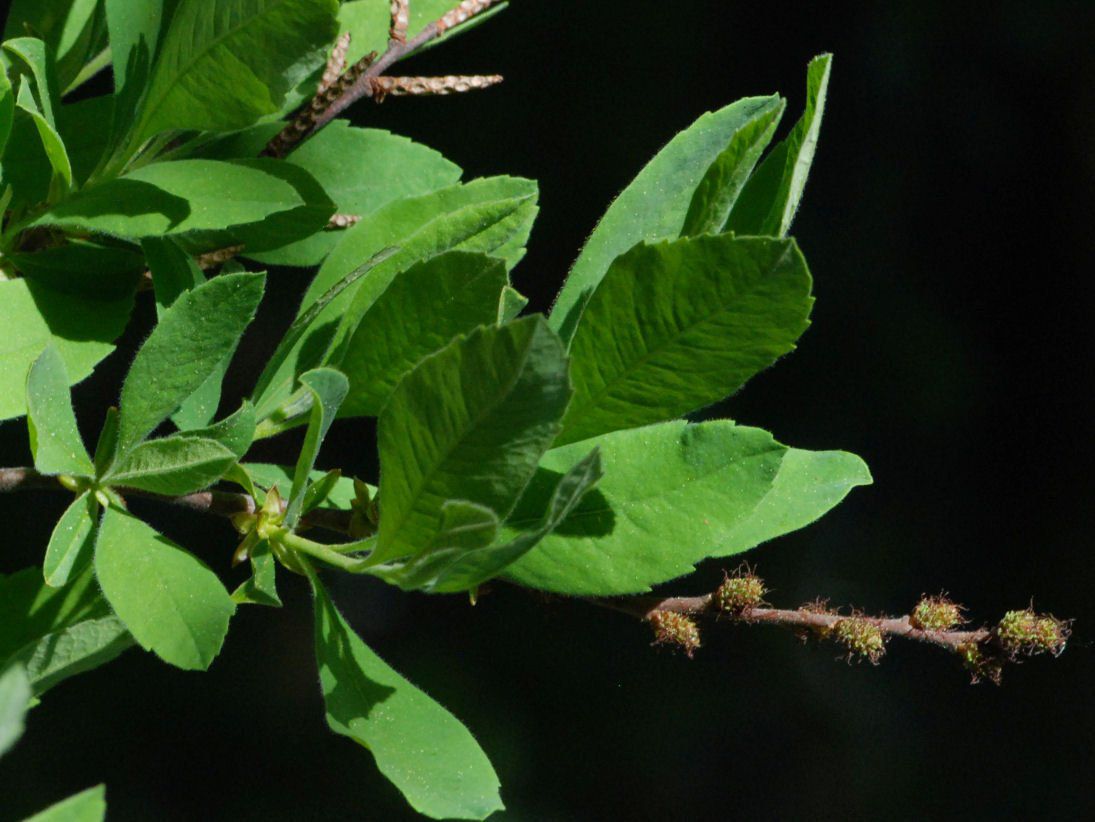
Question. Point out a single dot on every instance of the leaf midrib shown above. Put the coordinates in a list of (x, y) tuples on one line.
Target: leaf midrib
[(669, 342), (201, 55)]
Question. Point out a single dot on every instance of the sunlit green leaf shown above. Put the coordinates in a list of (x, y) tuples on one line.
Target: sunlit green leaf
[(768, 203), (171, 466), (167, 598), (86, 806), (328, 389), (469, 423), (55, 439), (420, 312), (679, 325), (72, 541), (223, 64), (655, 205), (190, 341), (674, 494)]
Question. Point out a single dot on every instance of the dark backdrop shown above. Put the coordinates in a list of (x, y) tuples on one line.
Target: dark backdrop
[(948, 224)]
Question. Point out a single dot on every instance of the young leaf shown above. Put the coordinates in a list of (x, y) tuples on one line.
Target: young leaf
[(14, 697), (655, 205), (34, 316), (53, 148), (420, 312), (190, 341), (167, 598), (71, 544), (54, 438), (422, 748), (223, 64), (261, 587), (673, 495), (172, 466), (768, 203), (470, 422), (265, 476), (719, 189), (361, 170), (86, 806), (106, 447), (257, 201), (328, 389), (679, 325)]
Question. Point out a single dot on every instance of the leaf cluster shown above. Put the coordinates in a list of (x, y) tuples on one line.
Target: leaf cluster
[(552, 452)]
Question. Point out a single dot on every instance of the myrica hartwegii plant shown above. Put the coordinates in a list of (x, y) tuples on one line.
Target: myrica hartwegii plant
[(545, 452)]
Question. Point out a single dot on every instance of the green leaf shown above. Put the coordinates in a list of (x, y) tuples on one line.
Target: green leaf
[(134, 27), (770, 199), (275, 383), (464, 527), (422, 748), (328, 389), (317, 491), (30, 610), (86, 806), (72, 29), (673, 495), (72, 541), (492, 216), (261, 587), (56, 632), (83, 269), (32, 55), (75, 650), (510, 305), (453, 566), (655, 205), (14, 697), (420, 312), (192, 338), (361, 170), (223, 65), (54, 438), (257, 201), (340, 497), (679, 325), (7, 111), (35, 316), (172, 466), (175, 272), (106, 447), (60, 174), (167, 598), (722, 184), (469, 423), (235, 432), (472, 568), (84, 126)]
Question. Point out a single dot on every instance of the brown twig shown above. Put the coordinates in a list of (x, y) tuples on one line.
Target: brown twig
[(360, 80), (218, 503), (935, 620)]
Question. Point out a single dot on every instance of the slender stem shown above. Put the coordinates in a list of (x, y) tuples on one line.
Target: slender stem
[(317, 550), (218, 503)]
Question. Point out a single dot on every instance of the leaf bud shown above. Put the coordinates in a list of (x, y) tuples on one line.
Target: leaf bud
[(1030, 633), (672, 628), (862, 637), (740, 593), (936, 614)]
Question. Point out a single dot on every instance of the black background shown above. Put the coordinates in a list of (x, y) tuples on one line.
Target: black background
[(948, 223)]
